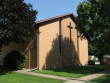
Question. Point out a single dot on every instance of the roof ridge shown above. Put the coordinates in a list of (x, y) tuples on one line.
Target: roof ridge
[(55, 17)]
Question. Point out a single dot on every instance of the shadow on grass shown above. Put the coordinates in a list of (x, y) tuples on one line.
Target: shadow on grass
[(103, 79), (84, 69), (4, 71)]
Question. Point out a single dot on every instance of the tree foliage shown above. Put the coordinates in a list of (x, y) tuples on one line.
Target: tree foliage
[(14, 60), (93, 22), (16, 21)]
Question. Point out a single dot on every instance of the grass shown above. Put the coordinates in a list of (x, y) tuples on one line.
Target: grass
[(14, 77), (103, 79), (61, 73), (75, 72)]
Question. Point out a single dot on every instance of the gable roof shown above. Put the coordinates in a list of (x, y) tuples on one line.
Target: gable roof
[(54, 18)]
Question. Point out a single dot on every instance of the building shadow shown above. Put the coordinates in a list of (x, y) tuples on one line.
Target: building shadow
[(63, 54)]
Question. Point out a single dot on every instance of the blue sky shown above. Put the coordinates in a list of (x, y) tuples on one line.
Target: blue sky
[(51, 8)]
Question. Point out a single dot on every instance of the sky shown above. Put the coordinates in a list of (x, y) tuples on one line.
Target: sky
[(50, 8)]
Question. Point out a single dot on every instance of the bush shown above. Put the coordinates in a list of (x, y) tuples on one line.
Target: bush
[(91, 62), (14, 60)]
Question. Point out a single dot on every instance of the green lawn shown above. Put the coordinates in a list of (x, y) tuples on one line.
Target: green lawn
[(60, 73), (75, 72), (103, 79), (23, 78)]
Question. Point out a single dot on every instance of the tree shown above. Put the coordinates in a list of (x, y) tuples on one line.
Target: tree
[(17, 21), (93, 22)]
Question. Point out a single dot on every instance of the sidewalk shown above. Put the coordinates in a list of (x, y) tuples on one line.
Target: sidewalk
[(43, 75), (67, 79), (87, 78)]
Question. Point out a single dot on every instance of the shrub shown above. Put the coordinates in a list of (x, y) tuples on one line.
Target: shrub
[(91, 62), (14, 60)]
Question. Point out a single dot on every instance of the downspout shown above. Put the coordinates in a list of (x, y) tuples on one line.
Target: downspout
[(60, 36), (35, 47), (60, 41), (38, 47), (78, 47)]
